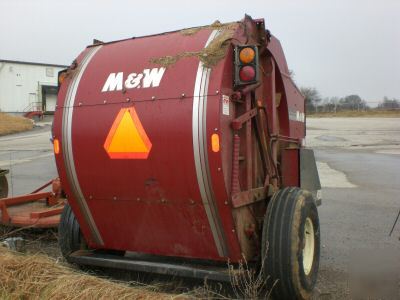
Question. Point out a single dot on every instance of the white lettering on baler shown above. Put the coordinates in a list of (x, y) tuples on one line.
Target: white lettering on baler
[(152, 77), (114, 82), (148, 78), (133, 81)]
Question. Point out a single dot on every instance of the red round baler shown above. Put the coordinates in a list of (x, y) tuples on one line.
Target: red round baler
[(188, 145)]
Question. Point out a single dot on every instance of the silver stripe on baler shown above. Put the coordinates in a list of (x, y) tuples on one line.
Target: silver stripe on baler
[(67, 145), (199, 126)]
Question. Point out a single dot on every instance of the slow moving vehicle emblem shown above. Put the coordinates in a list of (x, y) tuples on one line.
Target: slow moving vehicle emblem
[(127, 139)]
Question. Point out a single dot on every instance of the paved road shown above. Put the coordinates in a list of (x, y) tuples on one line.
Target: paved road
[(359, 162), (29, 157)]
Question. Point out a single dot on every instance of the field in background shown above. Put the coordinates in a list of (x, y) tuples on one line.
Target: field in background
[(12, 124), (355, 114)]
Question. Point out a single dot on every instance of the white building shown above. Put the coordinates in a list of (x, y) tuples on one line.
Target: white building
[(27, 86)]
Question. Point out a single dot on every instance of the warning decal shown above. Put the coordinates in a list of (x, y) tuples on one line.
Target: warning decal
[(127, 138), (225, 105)]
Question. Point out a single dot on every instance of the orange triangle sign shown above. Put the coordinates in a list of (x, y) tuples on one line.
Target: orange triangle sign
[(127, 138)]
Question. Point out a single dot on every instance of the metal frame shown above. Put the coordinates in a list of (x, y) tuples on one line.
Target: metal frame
[(259, 116), (94, 259), (52, 206)]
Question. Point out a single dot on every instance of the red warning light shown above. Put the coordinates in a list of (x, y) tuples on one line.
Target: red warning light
[(247, 73)]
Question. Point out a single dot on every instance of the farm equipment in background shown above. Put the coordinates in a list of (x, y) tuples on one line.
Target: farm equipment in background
[(34, 110), (38, 209)]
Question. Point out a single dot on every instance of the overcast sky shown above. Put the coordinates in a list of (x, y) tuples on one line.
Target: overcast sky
[(340, 47)]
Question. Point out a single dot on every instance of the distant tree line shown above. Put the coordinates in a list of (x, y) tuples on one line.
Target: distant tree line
[(315, 103), (389, 103)]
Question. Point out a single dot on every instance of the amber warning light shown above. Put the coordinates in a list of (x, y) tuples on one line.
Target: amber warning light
[(56, 146), (215, 142), (61, 77), (247, 55), (246, 65)]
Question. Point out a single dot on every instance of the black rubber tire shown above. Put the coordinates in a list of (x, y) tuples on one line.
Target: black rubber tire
[(283, 243), (70, 238), (3, 187)]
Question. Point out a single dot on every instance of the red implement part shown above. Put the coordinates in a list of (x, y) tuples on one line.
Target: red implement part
[(32, 114), (151, 183), (38, 209)]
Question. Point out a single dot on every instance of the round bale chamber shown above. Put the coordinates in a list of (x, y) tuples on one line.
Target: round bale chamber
[(168, 146)]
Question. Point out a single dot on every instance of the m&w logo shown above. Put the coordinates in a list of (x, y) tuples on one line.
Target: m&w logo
[(146, 79)]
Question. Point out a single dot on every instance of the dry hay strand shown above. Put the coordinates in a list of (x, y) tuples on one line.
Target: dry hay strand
[(168, 60), (13, 124), (216, 25), (39, 277), (210, 55), (216, 50)]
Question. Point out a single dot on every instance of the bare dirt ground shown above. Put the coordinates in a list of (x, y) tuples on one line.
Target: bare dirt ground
[(358, 161)]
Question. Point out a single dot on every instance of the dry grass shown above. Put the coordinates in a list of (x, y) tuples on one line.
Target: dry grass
[(40, 277), (37, 276), (216, 25), (248, 283), (12, 124), (355, 114), (38, 273)]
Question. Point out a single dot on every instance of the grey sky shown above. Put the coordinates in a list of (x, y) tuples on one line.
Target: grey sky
[(340, 47)]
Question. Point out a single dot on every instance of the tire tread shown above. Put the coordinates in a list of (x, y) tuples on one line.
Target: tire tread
[(277, 235)]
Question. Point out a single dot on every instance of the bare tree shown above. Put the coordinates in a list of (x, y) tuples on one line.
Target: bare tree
[(352, 102), (312, 98)]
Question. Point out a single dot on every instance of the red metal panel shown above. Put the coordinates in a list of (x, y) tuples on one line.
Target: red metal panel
[(293, 100), (152, 205), (221, 162), (290, 167), (25, 198)]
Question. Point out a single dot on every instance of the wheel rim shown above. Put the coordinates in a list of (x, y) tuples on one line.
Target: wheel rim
[(308, 250)]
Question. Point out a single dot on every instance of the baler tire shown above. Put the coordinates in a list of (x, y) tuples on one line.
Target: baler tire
[(70, 238), (290, 239), (3, 187)]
